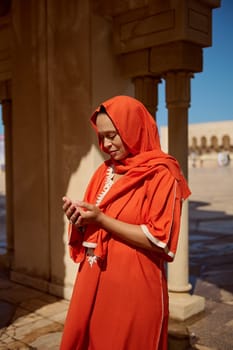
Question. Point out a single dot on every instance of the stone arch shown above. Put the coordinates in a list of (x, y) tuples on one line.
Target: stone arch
[(194, 147), (214, 143), (226, 142), (203, 144), (194, 142)]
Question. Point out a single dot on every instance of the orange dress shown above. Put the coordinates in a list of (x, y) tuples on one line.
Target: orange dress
[(120, 299)]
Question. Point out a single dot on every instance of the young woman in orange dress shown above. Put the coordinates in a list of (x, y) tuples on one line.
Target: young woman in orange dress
[(122, 233)]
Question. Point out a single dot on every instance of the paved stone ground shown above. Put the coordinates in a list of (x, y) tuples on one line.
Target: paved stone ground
[(35, 319), (211, 255), (30, 319), (211, 259)]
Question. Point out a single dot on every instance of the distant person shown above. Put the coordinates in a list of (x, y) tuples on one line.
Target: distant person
[(223, 159), (193, 157), (123, 231)]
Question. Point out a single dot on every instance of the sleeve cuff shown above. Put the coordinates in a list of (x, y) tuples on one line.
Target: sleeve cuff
[(157, 242)]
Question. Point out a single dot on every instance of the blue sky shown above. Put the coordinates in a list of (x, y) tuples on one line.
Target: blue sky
[(211, 90)]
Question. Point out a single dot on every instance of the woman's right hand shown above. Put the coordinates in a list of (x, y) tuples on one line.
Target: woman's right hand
[(71, 210)]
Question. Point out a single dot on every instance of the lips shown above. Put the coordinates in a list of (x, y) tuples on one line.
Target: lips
[(112, 153)]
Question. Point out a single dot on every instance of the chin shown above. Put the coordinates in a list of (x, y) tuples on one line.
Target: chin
[(119, 158), (116, 158)]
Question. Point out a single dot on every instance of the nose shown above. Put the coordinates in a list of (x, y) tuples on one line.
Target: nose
[(107, 143)]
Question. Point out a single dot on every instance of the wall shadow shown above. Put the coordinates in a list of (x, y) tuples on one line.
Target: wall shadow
[(210, 247)]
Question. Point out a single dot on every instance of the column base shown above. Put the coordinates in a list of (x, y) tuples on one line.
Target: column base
[(184, 305)]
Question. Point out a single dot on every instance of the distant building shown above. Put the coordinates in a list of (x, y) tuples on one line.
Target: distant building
[(210, 144)]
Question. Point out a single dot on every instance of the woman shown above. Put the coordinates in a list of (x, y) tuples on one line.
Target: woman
[(122, 233)]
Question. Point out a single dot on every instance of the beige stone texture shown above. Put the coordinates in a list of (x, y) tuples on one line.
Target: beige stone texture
[(58, 69), (161, 23)]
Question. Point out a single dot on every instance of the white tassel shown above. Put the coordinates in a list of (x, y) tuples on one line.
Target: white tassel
[(92, 259)]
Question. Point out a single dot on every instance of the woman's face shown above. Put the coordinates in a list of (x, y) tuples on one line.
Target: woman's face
[(111, 140)]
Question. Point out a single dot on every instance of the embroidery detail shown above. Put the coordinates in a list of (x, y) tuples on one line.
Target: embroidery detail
[(92, 260), (91, 257), (107, 186)]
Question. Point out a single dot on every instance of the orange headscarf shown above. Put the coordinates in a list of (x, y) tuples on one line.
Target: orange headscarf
[(138, 130), (139, 133), (134, 123)]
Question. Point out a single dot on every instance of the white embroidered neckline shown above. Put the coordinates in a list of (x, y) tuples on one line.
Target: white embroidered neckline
[(108, 184), (91, 257)]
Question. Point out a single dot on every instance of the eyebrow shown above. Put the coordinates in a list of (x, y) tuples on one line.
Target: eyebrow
[(107, 132)]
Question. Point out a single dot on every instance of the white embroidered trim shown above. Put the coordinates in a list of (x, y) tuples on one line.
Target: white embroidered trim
[(157, 242), (107, 186), (154, 239), (91, 258), (89, 244)]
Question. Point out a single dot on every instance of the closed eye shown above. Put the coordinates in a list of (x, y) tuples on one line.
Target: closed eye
[(109, 136)]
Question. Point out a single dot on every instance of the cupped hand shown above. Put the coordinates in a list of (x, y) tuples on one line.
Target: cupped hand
[(89, 213), (81, 213), (71, 210)]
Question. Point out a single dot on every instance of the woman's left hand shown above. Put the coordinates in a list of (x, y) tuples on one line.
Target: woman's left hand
[(89, 213)]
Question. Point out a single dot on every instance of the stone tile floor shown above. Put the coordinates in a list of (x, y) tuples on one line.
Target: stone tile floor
[(30, 319), (35, 319)]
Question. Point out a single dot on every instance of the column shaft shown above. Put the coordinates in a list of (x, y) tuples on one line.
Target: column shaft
[(182, 305), (178, 100)]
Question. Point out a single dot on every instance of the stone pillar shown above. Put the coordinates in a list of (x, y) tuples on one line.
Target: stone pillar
[(146, 91), (182, 304), (7, 122)]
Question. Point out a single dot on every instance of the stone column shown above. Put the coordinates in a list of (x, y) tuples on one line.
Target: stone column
[(182, 304), (146, 91), (7, 122)]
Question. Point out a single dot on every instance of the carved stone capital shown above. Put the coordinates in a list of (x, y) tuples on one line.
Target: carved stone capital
[(146, 90), (178, 89)]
